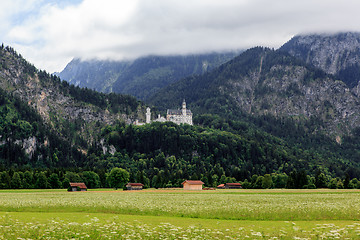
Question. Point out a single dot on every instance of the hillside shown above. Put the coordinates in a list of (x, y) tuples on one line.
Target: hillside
[(266, 82), (26, 140), (73, 114), (337, 54), (141, 77)]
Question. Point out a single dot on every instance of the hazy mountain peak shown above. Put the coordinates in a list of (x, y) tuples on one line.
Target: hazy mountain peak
[(143, 76)]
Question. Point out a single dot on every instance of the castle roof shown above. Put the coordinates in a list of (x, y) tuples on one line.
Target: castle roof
[(178, 112)]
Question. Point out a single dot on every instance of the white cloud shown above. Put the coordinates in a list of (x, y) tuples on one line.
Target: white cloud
[(117, 29)]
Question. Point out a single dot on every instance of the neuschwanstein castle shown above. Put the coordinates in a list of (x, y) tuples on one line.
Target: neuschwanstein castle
[(177, 116)]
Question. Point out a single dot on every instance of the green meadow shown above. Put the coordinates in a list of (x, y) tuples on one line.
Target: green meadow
[(175, 214)]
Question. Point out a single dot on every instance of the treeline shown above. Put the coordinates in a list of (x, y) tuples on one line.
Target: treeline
[(54, 179), (300, 180), (57, 179), (60, 178)]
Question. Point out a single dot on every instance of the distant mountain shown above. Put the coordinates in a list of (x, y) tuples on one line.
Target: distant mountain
[(141, 77), (264, 82), (337, 54)]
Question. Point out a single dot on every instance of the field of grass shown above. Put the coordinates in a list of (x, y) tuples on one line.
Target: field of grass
[(175, 214)]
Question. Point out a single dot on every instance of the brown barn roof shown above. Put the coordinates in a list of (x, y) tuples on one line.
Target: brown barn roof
[(80, 185), (221, 185), (135, 184), (193, 182), (233, 184)]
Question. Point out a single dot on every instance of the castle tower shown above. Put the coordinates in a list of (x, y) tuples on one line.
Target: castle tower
[(184, 108), (148, 115)]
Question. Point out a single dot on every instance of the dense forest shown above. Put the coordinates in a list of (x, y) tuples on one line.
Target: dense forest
[(165, 154)]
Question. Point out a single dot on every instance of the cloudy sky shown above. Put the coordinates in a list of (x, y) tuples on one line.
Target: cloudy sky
[(50, 33)]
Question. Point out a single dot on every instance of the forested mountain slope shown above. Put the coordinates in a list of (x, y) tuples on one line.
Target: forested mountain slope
[(266, 82), (74, 114), (26, 140), (141, 77)]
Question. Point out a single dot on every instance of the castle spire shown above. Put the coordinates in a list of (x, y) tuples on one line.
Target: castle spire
[(148, 115), (184, 108)]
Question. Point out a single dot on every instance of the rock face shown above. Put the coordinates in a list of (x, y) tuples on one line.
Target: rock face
[(141, 77), (52, 98), (337, 54), (261, 81), (29, 145)]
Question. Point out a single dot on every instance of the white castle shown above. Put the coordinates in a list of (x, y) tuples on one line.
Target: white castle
[(173, 115)]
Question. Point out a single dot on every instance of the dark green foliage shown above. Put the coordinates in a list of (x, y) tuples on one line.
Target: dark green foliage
[(54, 181), (41, 180), (320, 180), (16, 181), (72, 177), (297, 180), (267, 181), (91, 179), (118, 177)]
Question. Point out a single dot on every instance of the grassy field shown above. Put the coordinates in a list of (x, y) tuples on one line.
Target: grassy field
[(175, 214)]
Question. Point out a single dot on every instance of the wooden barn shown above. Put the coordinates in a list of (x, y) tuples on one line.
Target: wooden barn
[(192, 185), (134, 186), (76, 186), (230, 186), (233, 185)]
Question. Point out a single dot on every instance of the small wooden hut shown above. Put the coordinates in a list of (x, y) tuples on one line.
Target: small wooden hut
[(134, 186), (192, 185), (233, 185), (77, 186)]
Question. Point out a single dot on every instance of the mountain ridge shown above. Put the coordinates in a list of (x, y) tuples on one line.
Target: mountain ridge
[(143, 76)]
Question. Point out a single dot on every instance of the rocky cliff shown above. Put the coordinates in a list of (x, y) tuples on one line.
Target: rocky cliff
[(337, 54)]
